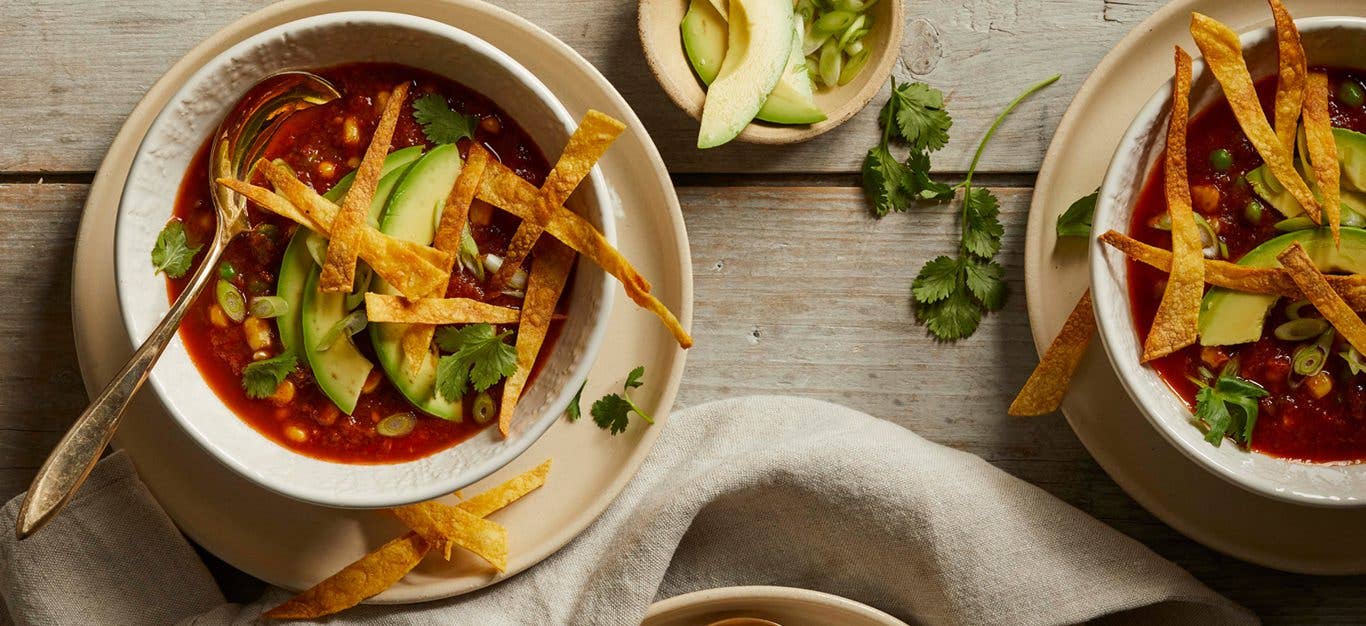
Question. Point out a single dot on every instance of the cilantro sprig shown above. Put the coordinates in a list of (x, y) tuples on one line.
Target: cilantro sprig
[(439, 123), (172, 253), (613, 411), (1076, 220), (914, 114), (1228, 408), (261, 378), (479, 356)]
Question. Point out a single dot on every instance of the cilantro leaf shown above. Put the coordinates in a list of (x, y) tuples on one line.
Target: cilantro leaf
[(887, 181), (937, 280), (1229, 408), (952, 318), (261, 378), (481, 357), (1076, 220), (986, 282), (918, 112), (172, 252), (439, 123), (927, 188), (982, 229), (573, 411), (612, 413), (633, 379)]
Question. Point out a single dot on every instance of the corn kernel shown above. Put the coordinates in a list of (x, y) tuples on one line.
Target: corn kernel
[(257, 332), (284, 393), (350, 132), (1205, 198), (261, 355), (1319, 384), (217, 317), (326, 169), (353, 162), (490, 125), (295, 433), (371, 382)]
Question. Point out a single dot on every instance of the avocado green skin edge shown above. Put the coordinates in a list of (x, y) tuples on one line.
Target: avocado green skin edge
[(444, 163), (1229, 317)]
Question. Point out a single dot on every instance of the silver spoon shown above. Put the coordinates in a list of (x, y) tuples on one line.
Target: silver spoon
[(237, 143)]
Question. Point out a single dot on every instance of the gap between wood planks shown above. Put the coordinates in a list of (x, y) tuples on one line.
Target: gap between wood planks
[(850, 179)]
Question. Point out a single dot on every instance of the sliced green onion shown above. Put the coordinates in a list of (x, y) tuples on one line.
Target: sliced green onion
[(231, 301), (1355, 362), (483, 407), (353, 323), (854, 6), (811, 42), (854, 65), (1295, 310), (469, 254), (854, 47), (361, 285), (493, 262), (397, 425), (1162, 222), (226, 271), (317, 247), (832, 61), (851, 32), (266, 307), (833, 22), (1214, 248), (1301, 329), (1233, 367), (1293, 224), (1308, 359), (1205, 373)]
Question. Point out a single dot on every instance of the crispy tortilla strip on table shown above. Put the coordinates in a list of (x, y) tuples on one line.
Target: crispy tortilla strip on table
[(417, 338), (1224, 56), (549, 271), (339, 268), (1292, 68), (1178, 315), (1044, 391), (510, 491), (387, 308), (503, 188), (446, 527), (1267, 280), (590, 140), (1319, 293), (1323, 150), (366, 577)]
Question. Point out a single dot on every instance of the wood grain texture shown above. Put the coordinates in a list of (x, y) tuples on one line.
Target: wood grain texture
[(70, 73), (798, 291)]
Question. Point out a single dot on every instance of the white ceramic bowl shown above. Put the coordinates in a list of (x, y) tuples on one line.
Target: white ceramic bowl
[(789, 606), (150, 192), (1334, 41)]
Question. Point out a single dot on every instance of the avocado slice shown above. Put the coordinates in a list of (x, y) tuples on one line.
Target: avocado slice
[(1229, 317), (758, 45), (340, 371), (412, 214), (792, 100), (1352, 154), (1351, 148)]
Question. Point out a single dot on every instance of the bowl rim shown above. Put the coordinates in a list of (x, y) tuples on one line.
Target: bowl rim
[(758, 131), (439, 484), (1113, 316)]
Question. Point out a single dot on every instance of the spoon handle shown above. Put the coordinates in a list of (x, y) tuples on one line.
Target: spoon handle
[(74, 456)]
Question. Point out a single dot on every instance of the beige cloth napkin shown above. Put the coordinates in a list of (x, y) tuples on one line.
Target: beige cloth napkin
[(765, 490)]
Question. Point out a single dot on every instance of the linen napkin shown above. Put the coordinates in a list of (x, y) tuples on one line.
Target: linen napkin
[(764, 490)]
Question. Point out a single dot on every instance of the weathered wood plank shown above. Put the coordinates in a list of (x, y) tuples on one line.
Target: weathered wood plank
[(72, 73)]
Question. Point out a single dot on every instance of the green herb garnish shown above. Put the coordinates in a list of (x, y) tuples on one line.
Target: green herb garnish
[(261, 378), (573, 411), (479, 356), (1076, 220), (952, 293), (915, 114), (613, 411), (1229, 407), (439, 123), (173, 253)]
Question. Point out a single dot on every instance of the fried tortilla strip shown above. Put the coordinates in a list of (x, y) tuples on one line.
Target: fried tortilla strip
[(1178, 315), (387, 308), (508, 492), (1292, 68), (503, 188), (1044, 391), (590, 140), (1224, 55), (339, 268), (549, 271), (1267, 280), (417, 339), (275, 203), (368, 576), (446, 527), (1317, 290), (1323, 151)]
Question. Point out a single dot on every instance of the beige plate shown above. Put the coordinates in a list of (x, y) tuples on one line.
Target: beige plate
[(788, 606), (658, 23), (1193, 501), (293, 545)]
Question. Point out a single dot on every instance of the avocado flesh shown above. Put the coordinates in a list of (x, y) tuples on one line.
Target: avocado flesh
[(395, 160), (759, 41), (1229, 317), (1351, 147), (412, 214), (341, 369), (1352, 154), (792, 100)]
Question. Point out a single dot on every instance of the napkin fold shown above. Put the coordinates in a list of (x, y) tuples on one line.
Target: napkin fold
[(753, 491)]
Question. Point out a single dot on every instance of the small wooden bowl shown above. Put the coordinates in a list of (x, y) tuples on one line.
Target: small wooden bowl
[(658, 22)]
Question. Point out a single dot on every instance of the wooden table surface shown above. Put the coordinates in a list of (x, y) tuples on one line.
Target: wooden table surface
[(798, 290)]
